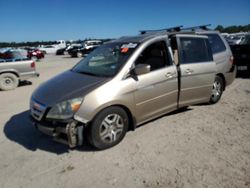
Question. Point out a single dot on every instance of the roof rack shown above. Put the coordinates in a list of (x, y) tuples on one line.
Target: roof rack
[(204, 27), (170, 29)]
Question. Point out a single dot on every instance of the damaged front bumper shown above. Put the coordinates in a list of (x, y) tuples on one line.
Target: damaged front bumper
[(69, 133)]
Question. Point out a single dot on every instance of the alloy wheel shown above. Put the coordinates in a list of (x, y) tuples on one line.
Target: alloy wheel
[(217, 90), (111, 128)]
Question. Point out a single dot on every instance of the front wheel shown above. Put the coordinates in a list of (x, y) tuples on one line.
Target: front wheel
[(108, 128), (217, 90), (79, 54)]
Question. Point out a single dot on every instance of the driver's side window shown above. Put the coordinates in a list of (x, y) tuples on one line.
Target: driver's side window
[(154, 55)]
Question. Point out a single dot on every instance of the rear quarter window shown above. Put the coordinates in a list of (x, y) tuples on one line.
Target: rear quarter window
[(195, 50), (217, 45)]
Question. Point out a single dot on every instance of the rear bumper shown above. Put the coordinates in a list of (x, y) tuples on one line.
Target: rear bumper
[(28, 75)]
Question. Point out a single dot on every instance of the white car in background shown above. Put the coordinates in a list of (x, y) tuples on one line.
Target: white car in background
[(236, 38), (91, 44), (48, 49), (51, 49)]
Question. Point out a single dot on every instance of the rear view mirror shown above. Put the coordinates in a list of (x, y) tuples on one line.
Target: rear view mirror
[(142, 69)]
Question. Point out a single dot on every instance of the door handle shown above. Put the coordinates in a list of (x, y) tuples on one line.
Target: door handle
[(189, 71), (170, 74)]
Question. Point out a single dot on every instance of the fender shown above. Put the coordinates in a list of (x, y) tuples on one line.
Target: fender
[(10, 71)]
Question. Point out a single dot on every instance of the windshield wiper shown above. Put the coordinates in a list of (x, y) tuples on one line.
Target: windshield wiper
[(88, 73)]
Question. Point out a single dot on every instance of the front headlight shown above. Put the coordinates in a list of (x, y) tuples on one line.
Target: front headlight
[(65, 109)]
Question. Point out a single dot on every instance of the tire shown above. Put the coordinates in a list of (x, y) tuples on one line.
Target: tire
[(8, 81), (217, 90), (108, 128), (79, 54), (60, 52)]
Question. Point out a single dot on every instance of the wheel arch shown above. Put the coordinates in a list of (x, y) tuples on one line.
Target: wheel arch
[(131, 118), (132, 121), (224, 80), (10, 71)]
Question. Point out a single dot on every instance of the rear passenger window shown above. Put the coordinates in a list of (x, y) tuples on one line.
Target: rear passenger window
[(217, 45), (194, 50)]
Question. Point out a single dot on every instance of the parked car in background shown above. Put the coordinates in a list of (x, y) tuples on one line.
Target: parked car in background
[(72, 48), (246, 40), (10, 54), (127, 82), (48, 49), (235, 39), (15, 68), (87, 47), (52, 49), (241, 54), (225, 35), (34, 54)]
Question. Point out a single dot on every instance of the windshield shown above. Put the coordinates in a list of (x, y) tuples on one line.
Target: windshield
[(237, 37), (15, 55), (106, 60), (246, 40)]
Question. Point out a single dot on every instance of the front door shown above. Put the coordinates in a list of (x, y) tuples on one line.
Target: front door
[(157, 90)]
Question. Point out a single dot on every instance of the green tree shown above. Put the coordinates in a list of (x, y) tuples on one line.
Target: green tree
[(219, 28)]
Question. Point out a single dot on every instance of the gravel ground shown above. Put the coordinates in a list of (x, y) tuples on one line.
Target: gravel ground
[(203, 146)]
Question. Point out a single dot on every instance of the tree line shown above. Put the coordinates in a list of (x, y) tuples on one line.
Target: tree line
[(38, 43), (26, 44), (229, 29), (233, 28)]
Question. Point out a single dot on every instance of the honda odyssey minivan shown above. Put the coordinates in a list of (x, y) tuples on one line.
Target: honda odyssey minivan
[(127, 82)]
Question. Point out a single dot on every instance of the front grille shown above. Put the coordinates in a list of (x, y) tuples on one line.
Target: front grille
[(37, 110)]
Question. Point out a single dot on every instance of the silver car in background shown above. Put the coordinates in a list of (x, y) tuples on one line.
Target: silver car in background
[(15, 67)]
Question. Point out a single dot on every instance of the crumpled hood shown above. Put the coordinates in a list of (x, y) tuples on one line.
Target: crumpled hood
[(67, 85)]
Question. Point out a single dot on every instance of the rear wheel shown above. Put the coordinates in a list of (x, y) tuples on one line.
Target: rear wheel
[(8, 81), (108, 128), (217, 90)]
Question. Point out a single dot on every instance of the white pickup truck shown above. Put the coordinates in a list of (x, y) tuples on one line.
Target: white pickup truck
[(51, 49)]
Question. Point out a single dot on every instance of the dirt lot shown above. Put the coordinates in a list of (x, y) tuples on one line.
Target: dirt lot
[(203, 146)]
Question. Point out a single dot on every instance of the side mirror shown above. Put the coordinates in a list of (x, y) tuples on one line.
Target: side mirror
[(142, 69)]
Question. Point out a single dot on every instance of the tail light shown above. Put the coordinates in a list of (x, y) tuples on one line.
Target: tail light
[(231, 60), (33, 65)]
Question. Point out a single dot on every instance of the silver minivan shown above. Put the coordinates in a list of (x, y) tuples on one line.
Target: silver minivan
[(129, 81)]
